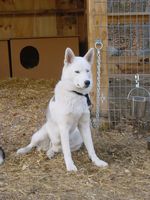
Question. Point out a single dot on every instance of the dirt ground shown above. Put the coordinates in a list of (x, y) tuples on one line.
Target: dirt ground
[(33, 176)]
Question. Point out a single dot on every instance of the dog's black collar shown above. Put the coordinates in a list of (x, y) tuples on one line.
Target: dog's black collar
[(85, 95)]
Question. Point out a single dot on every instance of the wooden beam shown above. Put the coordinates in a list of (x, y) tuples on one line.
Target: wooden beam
[(44, 12), (91, 39), (114, 18), (104, 67), (97, 29), (82, 28), (135, 14)]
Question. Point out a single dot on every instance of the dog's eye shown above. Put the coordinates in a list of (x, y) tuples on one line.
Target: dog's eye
[(77, 72), (87, 70)]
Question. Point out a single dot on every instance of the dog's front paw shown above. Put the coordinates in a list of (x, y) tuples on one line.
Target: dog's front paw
[(50, 153), (21, 151), (99, 163), (71, 167)]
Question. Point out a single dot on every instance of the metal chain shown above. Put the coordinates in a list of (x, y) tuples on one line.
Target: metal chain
[(96, 122)]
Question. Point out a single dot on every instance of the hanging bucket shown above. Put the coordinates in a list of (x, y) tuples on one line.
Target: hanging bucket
[(139, 97)]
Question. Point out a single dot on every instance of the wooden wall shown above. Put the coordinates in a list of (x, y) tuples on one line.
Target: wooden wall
[(43, 18), (22, 19), (73, 21), (97, 29)]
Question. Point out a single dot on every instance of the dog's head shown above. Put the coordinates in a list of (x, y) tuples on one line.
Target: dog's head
[(77, 70)]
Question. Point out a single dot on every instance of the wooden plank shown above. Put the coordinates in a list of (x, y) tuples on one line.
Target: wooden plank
[(97, 28), (128, 64), (18, 5), (104, 67), (128, 76), (6, 28), (124, 59), (126, 68), (82, 28), (20, 27), (44, 26), (91, 40), (12, 5), (140, 19), (19, 19), (135, 14), (40, 12), (67, 24)]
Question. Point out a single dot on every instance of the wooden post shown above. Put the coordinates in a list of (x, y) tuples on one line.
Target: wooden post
[(97, 29)]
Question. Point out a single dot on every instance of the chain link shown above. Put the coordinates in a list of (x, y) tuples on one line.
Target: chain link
[(96, 122)]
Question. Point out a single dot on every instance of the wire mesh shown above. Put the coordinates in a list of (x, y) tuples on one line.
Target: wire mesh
[(128, 54)]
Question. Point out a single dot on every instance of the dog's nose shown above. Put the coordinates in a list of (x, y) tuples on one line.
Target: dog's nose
[(87, 83)]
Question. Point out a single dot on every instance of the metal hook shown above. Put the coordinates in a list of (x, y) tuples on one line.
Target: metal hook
[(98, 44), (137, 79)]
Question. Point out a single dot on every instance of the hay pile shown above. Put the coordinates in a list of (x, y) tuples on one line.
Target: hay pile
[(34, 176)]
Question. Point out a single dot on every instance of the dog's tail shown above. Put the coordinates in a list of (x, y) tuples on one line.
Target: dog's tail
[(2, 155)]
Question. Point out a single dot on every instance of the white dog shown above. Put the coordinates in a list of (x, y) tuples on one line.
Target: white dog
[(68, 117)]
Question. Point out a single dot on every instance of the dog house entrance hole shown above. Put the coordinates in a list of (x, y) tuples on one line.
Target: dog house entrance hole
[(29, 57)]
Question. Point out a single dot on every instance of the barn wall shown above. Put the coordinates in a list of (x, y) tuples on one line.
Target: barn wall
[(42, 18), (25, 19), (30, 19)]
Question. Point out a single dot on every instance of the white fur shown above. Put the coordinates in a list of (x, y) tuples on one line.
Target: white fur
[(68, 116)]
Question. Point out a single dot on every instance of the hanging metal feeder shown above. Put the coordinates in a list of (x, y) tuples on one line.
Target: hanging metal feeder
[(139, 97)]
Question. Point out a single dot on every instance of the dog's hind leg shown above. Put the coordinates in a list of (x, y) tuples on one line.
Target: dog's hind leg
[(54, 137), (75, 140), (37, 137)]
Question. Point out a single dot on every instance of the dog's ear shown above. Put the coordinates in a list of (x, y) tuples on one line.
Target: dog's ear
[(89, 56), (69, 56)]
